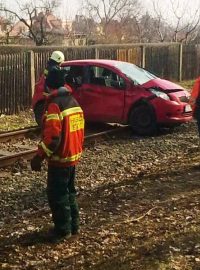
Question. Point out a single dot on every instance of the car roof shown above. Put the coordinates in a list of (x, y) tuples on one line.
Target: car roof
[(93, 61)]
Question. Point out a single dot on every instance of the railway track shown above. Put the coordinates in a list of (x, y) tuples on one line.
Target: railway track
[(17, 134), (8, 158)]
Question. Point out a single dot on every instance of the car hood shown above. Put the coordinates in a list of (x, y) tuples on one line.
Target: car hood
[(163, 85)]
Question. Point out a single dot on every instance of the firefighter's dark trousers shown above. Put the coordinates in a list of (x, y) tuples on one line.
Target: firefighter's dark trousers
[(61, 195)]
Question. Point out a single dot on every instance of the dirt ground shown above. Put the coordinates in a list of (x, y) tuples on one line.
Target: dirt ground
[(139, 207)]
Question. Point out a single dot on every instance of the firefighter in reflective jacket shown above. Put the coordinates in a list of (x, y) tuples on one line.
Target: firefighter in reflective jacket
[(48, 79), (195, 102), (61, 145)]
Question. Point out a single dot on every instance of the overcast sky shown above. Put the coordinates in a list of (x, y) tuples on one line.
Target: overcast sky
[(70, 7)]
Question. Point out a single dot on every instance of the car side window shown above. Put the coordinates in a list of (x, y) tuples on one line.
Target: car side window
[(74, 75), (95, 76), (105, 77)]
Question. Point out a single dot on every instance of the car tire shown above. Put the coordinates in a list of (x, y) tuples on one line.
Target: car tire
[(143, 120)]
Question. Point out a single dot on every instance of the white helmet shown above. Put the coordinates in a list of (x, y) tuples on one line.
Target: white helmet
[(57, 56)]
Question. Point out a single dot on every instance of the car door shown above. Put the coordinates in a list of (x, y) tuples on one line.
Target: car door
[(100, 96), (88, 95), (111, 93), (90, 100)]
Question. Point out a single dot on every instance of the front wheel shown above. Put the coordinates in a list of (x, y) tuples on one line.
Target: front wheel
[(143, 120)]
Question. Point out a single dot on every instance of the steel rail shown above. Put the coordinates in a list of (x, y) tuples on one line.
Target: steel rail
[(10, 159), (6, 136)]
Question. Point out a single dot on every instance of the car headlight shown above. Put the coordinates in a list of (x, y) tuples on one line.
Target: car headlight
[(160, 94)]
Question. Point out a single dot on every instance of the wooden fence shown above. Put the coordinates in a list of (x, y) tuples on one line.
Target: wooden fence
[(15, 82), (21, 66)]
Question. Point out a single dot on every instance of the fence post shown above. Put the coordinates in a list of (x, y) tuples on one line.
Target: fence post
[(96, 53), (180, 68), (143, 56), (31, 71)]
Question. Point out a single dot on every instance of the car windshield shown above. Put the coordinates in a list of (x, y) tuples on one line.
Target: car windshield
[(136, 74)]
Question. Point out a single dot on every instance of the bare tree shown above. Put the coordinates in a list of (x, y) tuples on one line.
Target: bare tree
[(83, 26), (7, 23), (186, 22), (112, 16), (33, 15), (180, 21), (143, 29), (160, 25)]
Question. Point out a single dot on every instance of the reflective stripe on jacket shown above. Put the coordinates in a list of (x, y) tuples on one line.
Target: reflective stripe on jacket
[(62, 130)]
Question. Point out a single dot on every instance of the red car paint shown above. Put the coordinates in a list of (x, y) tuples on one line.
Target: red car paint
[(114, 103)]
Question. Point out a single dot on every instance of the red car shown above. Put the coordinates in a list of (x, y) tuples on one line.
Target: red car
[(120, 92)]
